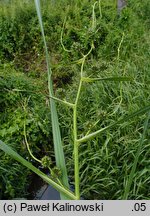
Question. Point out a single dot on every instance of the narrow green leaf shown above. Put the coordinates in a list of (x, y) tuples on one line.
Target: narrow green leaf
[(8, 150), (5, 170), (88, 79), (59, 154), (137, 113)]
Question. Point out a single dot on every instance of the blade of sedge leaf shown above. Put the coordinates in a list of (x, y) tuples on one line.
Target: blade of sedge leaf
[(8, 150), (59, 154), (137, 113), (131, 176), (88, 79)]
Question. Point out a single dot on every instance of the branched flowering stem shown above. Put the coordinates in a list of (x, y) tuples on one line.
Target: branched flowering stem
[(75, 130)]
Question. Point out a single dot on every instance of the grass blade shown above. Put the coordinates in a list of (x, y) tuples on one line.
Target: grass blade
[(59, 154), (8, 150), (131, 176), (88, 79)]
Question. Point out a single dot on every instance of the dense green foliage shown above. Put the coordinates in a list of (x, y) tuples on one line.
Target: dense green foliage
[(22, 102), (122, 48)]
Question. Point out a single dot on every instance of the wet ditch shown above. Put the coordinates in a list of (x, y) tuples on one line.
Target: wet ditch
[(39, 190)]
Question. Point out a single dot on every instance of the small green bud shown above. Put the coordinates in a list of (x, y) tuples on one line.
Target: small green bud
[(56, 172), (46, 161)]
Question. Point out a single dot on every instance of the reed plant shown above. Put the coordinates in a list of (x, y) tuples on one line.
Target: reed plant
[(58, 175)]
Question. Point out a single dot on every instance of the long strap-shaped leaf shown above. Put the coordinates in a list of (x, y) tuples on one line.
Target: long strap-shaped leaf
[(59, 154), (92, 135), (8, 150)]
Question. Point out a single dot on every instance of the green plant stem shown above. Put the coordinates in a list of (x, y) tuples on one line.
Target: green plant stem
[(61, 37), (78, 93), (76, 147), (28, 147), (75, 134), (76, 155)]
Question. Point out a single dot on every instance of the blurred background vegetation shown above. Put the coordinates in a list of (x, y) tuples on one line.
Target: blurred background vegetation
[(122, 48)]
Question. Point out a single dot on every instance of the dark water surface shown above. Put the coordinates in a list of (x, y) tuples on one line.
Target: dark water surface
[(46, 192)]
